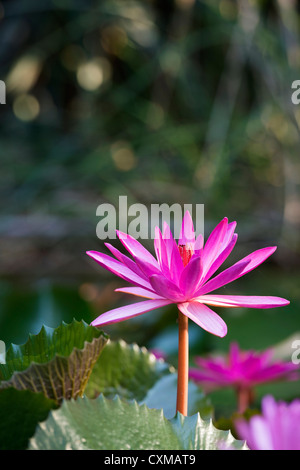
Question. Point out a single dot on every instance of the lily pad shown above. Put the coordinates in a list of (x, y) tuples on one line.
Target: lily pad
[(105, 424), (20, 411), (134, 373), (56, 362), (126, 370)]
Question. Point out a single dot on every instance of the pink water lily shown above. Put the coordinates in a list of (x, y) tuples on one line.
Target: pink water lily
[(241, 368), (242, 371), (183, 273), (277, 428)]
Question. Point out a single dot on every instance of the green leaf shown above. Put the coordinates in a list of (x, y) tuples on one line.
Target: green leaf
[(196, 433), (57, 362), (132, 372), (104, 424), (125, 370), (20, 411)]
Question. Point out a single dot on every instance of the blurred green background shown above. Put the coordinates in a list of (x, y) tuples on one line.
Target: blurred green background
[(185, 101)]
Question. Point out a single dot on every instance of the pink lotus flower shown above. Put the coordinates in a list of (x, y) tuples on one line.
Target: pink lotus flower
[(278, 428), (182, 274), (241, 370)]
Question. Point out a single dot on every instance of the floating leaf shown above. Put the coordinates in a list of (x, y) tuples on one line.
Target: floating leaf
[(132, 372), (20, 411), (57, 362), (125, 370), (196, 433), (104, 424)]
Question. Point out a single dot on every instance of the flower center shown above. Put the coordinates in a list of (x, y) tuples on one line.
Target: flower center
[(186, 252)]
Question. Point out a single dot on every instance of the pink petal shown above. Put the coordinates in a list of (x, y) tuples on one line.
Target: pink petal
[(229, 234), (125, 260), (190, 276), (161, 251), (187, 232), (128, 311), (176, 267), (139, 291), (234, 355), (216, 364), (167, 234), (166, 288), (199, 242), (214, 369), (157, 243), (146, 268), (251, 301), (172, 261), (204, 317), (119, 269), (223, 278), (169, 243), (260, 432), (239, 269), (212, 246), (168, 256), (256, 433), (207, 376), (136, 248), (221, 258)]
